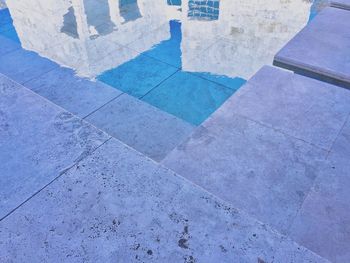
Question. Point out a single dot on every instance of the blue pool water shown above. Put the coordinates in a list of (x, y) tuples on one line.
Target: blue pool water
[(184, 57)]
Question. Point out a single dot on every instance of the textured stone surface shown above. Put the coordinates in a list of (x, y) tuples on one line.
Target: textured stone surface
[(38, 141), (322, 46), (141, 126), (118, 206), (22, 65), (77, 95), (301, 107), (344, 4), (323, 223), (255, 168)]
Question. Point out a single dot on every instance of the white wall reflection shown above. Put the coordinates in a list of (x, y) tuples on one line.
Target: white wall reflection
[(224, 37), (245, 37), (87, 35)]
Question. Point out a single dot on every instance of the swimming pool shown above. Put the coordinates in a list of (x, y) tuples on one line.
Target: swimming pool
[(183, 57)]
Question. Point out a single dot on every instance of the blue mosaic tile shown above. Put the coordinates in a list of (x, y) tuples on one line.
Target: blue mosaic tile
[(137, 76), (188, 97)]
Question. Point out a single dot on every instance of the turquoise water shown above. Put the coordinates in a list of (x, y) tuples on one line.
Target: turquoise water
[(184, 57), (189, 96)]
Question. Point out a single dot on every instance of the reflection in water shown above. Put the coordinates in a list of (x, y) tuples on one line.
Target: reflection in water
[(233, 38), (203, 9), (70, 26)]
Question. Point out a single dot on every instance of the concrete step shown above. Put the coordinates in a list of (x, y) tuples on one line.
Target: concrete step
[(264, 149), (343, 4), (70, 192), (320, 50)]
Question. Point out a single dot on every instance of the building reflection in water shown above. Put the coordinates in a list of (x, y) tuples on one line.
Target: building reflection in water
[(231, 38)]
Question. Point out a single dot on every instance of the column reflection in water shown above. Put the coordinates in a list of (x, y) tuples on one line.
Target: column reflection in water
[(89, 36)]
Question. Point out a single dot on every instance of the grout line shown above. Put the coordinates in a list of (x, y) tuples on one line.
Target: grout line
[(160, 83), (42, 74), (64, 171), (336, 138), (88, 115), (282, 132)]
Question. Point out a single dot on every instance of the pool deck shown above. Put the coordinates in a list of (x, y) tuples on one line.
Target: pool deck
[(320, 49), (264, 179)]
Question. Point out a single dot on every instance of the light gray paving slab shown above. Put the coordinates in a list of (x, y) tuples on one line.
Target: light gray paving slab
[(256, 169), (344, 4), (38, 141), (141, 126), (116, 205), (304, 108), (321, 48), (323, 223), (77, 95), (342, 144)]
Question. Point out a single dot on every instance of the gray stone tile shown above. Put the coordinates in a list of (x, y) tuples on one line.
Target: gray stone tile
[(118, 205), (305, 108), (289, 251), (22, 65), (323, 223), (77, 95), (256, 169), (38, 141), (344, 4), (342, 143), (321, 47), (141, 126)]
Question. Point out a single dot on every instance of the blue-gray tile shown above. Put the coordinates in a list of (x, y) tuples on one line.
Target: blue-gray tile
[(22, 65), (323, 222), (137, 76), (77, 95), (38, 141), (7, 45), (188, 97), (342, 144), (304, 108), (255, 168), (116, 204), (141, 126), (322, 47)]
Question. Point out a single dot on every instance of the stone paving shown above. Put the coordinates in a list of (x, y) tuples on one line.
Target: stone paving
[(80, 196), (264, 179), (279, 150), (319, 50)]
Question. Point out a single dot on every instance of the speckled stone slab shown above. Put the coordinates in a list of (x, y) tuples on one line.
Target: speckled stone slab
[(256, 169), (77, 95), (142, 126), (118, 206), (323, 222), (38, 141), (301, 107), (321, 49), (344, 4)]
